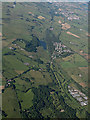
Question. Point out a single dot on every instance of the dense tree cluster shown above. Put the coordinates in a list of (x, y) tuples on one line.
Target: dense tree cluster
[(10, 53), (32, 45), (43, 100)]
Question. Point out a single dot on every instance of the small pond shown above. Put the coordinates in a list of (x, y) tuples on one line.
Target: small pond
[(43, 44)]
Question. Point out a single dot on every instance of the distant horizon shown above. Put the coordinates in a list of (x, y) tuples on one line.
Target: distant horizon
[(44, 0)]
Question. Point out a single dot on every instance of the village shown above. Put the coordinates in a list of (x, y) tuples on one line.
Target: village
[(79, 96), (69, 14), (59, 50)]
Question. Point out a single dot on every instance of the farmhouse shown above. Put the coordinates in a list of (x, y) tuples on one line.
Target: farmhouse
[(62, 111), (55, 12), (60, 9), (9, 80), (31, 56), (30, 13), (75, 90), (73, 18), (83, 103), (68, 86), (81, 94), (57, 46), (64, 46), (22, 49), (86, 102), (80, 75), (79, 99), (85, 98), (51, 29), (75, 95), (11, 48), (26, 64), (72, 93), (59, 22)]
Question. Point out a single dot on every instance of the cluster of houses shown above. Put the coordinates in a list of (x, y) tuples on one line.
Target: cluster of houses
[(61, 48), (51, 28), (17, 46), (70, 15), (26, 64), (79, 96), (66, 12), (58, 46), (73, 18), (11, 48)]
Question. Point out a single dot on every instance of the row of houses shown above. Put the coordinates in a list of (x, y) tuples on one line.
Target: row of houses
[(79, 96), (73, 18), (12, 48)]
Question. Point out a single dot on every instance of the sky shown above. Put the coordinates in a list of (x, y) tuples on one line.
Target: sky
[(45, 0)]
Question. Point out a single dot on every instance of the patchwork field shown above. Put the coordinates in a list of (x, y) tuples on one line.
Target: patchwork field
[(44, 56)]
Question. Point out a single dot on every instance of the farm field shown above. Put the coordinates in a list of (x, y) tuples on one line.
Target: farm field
[(44, 60)]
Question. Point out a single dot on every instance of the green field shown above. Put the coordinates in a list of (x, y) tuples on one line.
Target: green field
[(10, 104), (40, 60), (26, 99)]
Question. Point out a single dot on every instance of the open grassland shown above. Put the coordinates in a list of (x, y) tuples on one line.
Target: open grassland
[(77, 60), (67, 65), (26, 99), (10, 103), (44, 55), (8, 71), (15, 63), (21, 84), (74, 43), (84, 69), (38, 78), (24, 92)]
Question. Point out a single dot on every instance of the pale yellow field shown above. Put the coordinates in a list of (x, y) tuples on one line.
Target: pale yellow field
[(72, 34)]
